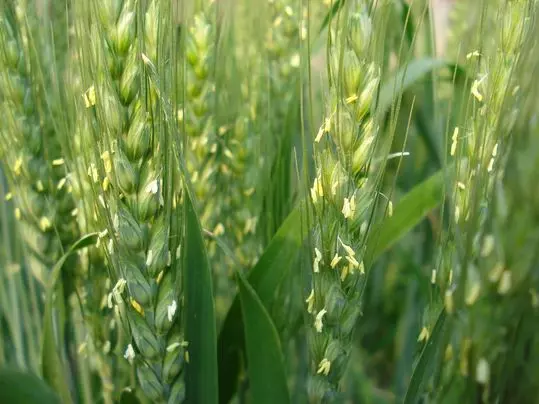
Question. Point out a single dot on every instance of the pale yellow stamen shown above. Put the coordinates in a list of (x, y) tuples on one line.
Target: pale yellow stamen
[(423, 335), (344, 272), (172, 347), (473, 294), (136, 305), (352, 260), (347, 248), (219, 230), (351, 99), (324, 367), (129, 353), (92, 173), (61, 183), (44, 223), (317, 189), (482, 372), (454, 140), (490, 165), (335, 260), (310, 302), (18, 166), (317, 260), (505, 283), (89, 97), (153, 187), (475, 90), (107, 163), (349, 207), (171, 310), (295, 60), (149, 258), (318, 324)]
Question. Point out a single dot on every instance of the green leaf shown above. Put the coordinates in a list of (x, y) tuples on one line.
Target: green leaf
[(25, 388), (201, 381), (264, 278), (405, 78), (428, 356), (52, 363), (410, 210), (266, 369)]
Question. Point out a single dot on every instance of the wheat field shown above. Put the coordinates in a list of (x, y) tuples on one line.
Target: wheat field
[(269, 201)]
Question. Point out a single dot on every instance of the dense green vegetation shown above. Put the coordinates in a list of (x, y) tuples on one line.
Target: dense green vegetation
[(268, 201)]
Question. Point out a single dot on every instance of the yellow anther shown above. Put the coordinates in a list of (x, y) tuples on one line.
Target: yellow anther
[(344, 272), (219, 230), (89, 97), (351, 99), (475, 89), (324, 367), (107, 163), (310, 302), (336, 259), (159, 277), (18, 166), (454, 140), (137, 306), (61, 183), (423, 335), (318, 321), (44, 223), (317, 260)]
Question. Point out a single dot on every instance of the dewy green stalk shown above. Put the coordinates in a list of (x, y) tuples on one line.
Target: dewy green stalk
[(343, 195), (131, 173), (30, 149)]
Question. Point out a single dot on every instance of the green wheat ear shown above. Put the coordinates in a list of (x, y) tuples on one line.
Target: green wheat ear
[(343, 197), (129, 171), (477, 273), (30, 149)]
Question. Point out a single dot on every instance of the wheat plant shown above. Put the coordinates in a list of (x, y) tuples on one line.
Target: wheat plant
[(268, 201)]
